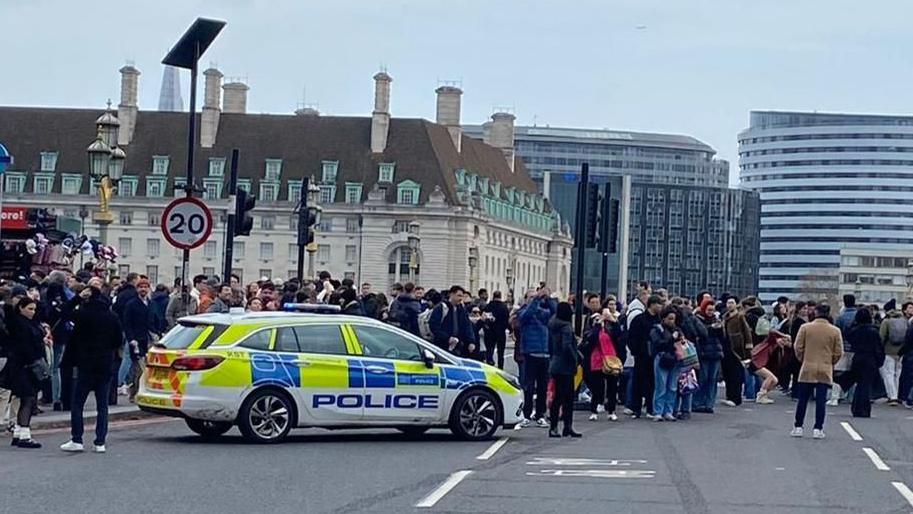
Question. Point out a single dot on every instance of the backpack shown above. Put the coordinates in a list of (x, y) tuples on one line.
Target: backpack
[(897, 330), (424, 321), (763, 327)]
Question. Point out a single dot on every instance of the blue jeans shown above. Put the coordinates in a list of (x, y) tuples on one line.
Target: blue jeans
[(124, 370), (98, 384), (805, 392), (628, 377), (55, 372), (752, 384), (666, 388), (705, 396)]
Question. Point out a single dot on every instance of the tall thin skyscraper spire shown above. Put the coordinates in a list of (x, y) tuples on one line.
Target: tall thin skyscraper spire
[(170, 96)]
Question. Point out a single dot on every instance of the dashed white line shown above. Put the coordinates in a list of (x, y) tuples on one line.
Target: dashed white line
[(493, 449), (435, 496), (876, 460), (904, 491), (850, 430)]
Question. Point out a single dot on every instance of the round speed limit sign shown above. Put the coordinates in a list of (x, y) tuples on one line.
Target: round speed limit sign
[(186, 223)]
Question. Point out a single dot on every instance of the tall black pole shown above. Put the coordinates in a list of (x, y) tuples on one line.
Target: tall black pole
[(191, 143), (604, 239), (230, 222), (580, 241), (303, 226)]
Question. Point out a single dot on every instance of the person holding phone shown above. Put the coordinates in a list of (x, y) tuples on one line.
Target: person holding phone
[(663, 339)]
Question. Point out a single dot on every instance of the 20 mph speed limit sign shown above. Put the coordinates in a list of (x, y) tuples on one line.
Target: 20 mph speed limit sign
[(186, 223)]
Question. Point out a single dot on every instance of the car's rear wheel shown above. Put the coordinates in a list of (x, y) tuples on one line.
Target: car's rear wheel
[(413, 431), (266, 416), (476, 415), (208, 428)]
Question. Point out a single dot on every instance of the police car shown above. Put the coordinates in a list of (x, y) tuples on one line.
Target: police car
[(270, 372)]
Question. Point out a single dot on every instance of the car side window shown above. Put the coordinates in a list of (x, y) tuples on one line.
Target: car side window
[(321, 339), (377, 342), (258, 340), (286, 341)]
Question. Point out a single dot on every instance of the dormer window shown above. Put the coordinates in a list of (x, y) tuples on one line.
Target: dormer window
[(160, 164), (353, 192), (217, 166), (385, 172), (407, 192), (269, 192), (244, 183), (127, 186), (43, 183), (294, 191), (212, 188), (327, 194), (273, 169), (48, 161), (328, 175)]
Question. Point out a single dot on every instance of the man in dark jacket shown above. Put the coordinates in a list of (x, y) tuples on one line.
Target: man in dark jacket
[(639, 345), (450, 325), (96, 336), (138, 327), (160, 299), (58, 303), (496, 333), (405, 309)]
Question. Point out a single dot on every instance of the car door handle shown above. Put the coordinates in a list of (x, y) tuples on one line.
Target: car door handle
[(380, 370)]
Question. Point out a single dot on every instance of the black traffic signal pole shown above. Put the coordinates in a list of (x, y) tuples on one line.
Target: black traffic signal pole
[(604, 239), (580, 241), (303, 218), (232, 209)]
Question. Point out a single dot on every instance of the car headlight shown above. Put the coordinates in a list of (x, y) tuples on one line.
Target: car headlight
[(510, 379)]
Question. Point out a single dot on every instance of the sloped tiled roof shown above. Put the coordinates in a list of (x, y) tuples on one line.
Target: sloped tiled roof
[(422, 150)]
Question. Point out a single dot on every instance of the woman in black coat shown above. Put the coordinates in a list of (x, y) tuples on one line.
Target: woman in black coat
[(26, 346), (562, 368), (868, 357)]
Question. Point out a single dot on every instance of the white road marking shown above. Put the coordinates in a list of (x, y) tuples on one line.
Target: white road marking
[(435, 496), (493, 449), (876, 460), (780, 469), (904, 491), (850, 430), (546, 461), (593, 473)]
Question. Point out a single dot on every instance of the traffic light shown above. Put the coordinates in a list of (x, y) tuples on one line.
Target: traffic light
[(307, 219), (244, 220), (592, 216), (613, 226)]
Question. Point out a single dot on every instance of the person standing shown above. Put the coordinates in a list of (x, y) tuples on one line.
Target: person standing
[(180, 306), (819, 345), (663, 340), (603, 340), (222, 303), (25, 360), (534, 334), (405, 309), (639, 340), (496, 334), (893, 332), (868, 357), (710, 353), (738, 343), (97, 334), (450, 326), (138, 327), (563, 362)]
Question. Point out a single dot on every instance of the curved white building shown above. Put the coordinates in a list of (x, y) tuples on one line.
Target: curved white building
[(828, 182)]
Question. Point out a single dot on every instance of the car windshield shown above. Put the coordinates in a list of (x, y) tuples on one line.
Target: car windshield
[(185, 334)]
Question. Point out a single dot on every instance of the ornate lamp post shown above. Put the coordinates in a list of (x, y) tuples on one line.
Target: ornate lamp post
[(473, 267), (106, 165), (509, 278), (313, 193), (414, 241)]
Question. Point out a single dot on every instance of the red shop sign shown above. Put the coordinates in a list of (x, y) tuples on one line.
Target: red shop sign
[(15, 218)]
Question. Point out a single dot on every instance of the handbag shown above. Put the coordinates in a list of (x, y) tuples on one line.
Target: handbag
[(687, 382), (40, 370), (612, 365), (689, 358)]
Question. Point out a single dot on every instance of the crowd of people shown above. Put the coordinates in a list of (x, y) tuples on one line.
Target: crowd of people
[(65, 336)]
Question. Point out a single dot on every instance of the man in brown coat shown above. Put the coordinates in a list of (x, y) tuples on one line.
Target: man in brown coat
[(736, 349), (819, 345)]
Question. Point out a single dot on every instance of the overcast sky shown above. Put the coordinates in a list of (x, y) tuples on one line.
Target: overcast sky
[(677, 66)]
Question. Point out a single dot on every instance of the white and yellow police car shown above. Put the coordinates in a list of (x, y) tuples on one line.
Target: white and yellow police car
[(270, 372)]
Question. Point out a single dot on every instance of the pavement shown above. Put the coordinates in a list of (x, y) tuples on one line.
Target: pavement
[(739, 460), (51, 419)]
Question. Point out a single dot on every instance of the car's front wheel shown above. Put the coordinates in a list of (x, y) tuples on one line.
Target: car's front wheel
[(476, 415), (266, 416), (208, 429)]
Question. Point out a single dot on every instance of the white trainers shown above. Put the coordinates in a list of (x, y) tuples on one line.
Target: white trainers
[(627, 412), (763, 399), (600, 408), (542, 423), (522, 424), (123, 390), (613, 417), (99, 449), (70, 446), (729, 403), (594, 417), (833, 402), (797, 432), (818, 434)]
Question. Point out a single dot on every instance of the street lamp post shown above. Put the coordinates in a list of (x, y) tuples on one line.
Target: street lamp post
[(509, 278), (473, 267), (106, 165), (413, 241), (312, 197)]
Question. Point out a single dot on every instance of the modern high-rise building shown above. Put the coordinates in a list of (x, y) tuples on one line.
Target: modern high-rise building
[(170, 99), (828, 183), (680, 227)]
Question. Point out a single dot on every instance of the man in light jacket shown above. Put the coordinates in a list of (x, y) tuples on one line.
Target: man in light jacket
[(819, 345)]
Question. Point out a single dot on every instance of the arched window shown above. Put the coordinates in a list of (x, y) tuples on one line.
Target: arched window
[(398, 266)]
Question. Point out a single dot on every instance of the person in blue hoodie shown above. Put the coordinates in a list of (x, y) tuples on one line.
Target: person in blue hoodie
[(534, 319)]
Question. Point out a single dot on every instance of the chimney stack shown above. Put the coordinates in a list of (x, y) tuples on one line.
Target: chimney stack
[(380, 118), (128, 108), (212, 101), (235, 97), (448, 112), (501, 135)]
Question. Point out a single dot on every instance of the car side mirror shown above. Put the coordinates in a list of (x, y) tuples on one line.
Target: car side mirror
[(428, 358)]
